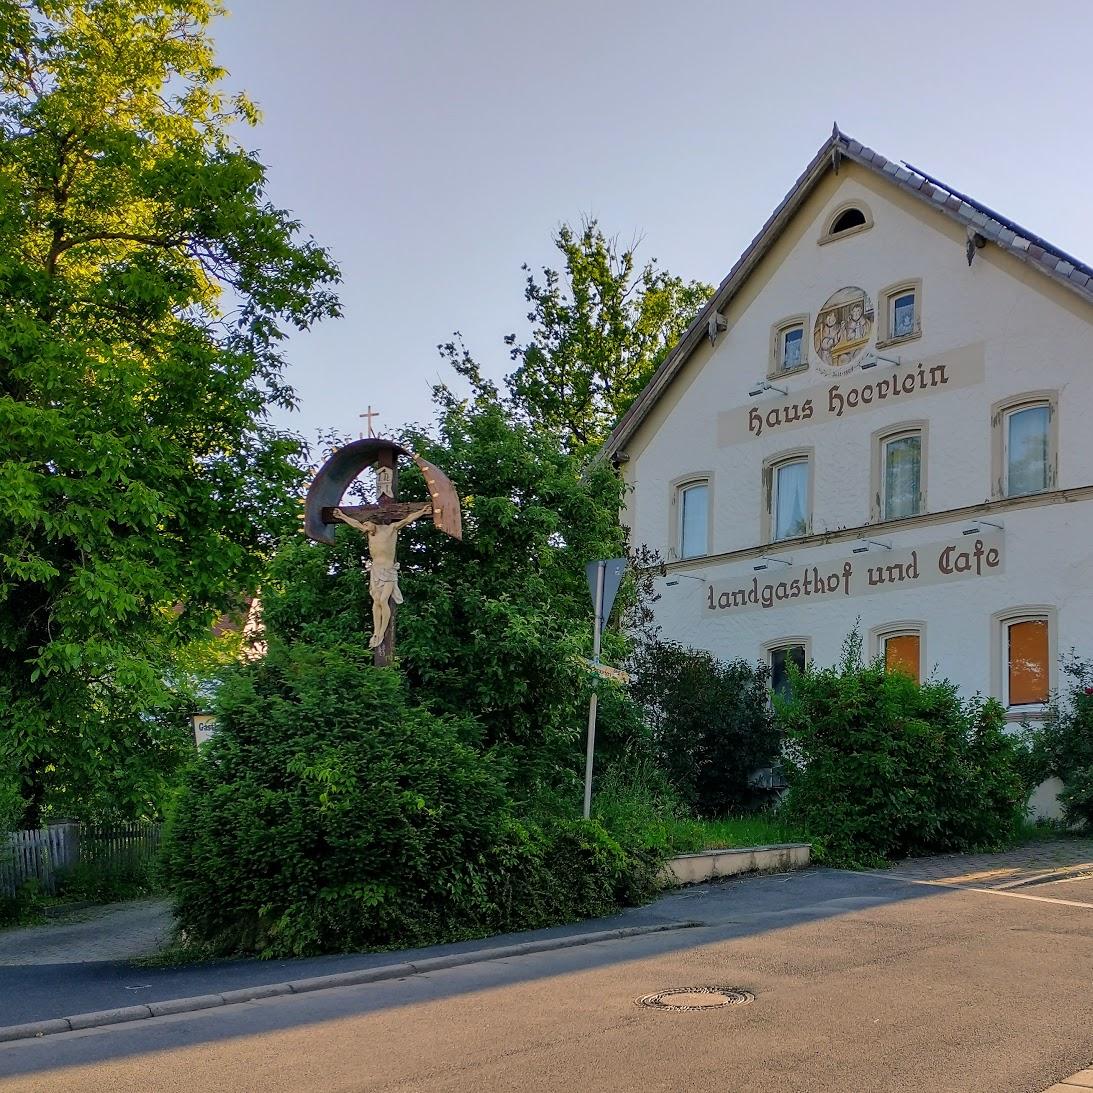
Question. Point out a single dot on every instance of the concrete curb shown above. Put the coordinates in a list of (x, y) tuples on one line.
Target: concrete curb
[(35, 1029), (710, 865), (1063, 872)]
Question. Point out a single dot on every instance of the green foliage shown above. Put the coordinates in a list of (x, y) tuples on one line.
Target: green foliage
[(600, 328), (710, 721), (344, 807), (11, 801), (880, 767), (752, 829), (328, 814), (492, 626), (1062, 744), (145, 287), (99, 882), (635, 801)]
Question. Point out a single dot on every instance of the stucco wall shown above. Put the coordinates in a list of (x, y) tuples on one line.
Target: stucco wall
[(1027, 335)]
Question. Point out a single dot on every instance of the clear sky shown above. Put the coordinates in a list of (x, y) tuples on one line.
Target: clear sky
[(435, 146)]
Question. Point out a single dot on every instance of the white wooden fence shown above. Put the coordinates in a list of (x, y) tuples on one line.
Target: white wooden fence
[(46, 854)]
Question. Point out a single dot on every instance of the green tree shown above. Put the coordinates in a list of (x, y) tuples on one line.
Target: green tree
[(599, 330), (146, 284), (492, 626)]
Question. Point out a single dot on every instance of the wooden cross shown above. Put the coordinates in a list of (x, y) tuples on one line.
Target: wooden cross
[(369, 415)]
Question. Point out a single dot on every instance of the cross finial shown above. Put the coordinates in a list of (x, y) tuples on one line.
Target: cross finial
[(369, 415)]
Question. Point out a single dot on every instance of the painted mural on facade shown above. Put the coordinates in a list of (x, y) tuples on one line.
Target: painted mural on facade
[(843, 327)]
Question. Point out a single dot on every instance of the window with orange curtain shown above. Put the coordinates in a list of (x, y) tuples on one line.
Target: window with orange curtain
[(901, 654), (1027, 661)]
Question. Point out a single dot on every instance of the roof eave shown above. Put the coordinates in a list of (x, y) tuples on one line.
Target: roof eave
[(694, 333)]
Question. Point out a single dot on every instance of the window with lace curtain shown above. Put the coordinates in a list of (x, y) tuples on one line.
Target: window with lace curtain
[(899, 471)]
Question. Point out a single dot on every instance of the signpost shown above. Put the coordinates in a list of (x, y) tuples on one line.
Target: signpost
[(604, 578)]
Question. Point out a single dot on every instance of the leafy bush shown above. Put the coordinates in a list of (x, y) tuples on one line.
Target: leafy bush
[(327, 814), (880, 767), (635, 802), (710, 720), (1062, 745)]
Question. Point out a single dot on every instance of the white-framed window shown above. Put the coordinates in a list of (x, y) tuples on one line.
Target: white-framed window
[(1026, 660), (1026, 449), (779, 657), (900, 645), (789, 345), (902, 311), (901, 651), (693, 503), (902, 314), (790, 502), (793, 345), (901, 479)]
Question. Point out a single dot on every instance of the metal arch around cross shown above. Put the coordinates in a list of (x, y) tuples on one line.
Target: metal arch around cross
[(335, 476)]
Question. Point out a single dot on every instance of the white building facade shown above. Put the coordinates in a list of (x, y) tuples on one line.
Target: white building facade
[(882, 420)]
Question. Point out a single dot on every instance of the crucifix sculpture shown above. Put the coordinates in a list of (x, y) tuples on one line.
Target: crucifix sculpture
[(380, 522)]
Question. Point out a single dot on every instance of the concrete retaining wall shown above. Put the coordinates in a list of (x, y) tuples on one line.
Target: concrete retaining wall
[(711, 864)]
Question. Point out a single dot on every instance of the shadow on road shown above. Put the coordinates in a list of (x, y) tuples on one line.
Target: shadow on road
[(739, 908)]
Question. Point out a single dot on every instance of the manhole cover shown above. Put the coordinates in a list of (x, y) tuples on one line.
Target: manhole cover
[(697, 998)]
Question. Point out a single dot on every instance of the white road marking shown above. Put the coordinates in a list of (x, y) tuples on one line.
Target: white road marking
[(969, 888)]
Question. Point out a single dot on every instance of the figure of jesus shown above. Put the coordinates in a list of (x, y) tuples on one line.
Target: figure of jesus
[(383, 582)]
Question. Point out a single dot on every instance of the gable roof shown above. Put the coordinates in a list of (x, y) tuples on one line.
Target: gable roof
[(983, 225)]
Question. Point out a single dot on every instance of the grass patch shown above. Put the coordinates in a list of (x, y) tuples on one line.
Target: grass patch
[(755, 829), (1044, 830)]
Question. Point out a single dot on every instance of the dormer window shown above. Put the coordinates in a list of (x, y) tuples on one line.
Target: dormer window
[(847, 219)]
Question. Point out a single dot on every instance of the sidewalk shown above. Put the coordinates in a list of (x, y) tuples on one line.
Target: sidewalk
[(1013, 869)]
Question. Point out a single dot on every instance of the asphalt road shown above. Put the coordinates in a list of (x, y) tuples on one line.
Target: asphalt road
[(60, 983), (861, 983)]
